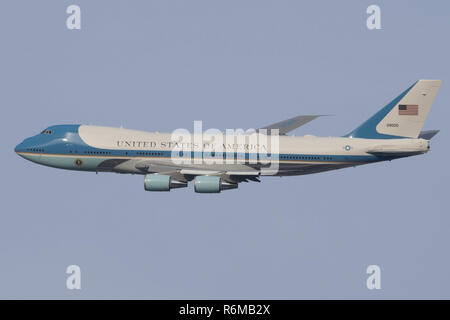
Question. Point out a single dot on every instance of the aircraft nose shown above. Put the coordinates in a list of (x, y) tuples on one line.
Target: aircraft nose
[(21, 147), (18, 148)]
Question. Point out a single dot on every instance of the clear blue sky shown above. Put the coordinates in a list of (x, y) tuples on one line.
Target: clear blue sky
[(160, 65)]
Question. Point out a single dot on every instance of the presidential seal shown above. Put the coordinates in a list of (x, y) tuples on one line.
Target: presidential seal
[(78, 162)]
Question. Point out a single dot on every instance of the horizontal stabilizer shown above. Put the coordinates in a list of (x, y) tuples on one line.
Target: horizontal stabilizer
[(428, 134), (290, 124)]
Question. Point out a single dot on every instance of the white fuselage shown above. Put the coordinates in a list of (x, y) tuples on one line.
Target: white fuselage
[(96, 148)]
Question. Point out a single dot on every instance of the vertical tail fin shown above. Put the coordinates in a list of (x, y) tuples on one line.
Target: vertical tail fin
[(404, 116)]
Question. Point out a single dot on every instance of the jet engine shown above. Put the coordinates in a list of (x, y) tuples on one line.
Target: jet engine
[(212, 184), (162, 182)]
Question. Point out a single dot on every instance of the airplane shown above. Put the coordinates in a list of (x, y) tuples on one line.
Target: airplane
[(393, 132)]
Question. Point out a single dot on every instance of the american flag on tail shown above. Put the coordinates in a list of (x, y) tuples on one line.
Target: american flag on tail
[(408, 110)]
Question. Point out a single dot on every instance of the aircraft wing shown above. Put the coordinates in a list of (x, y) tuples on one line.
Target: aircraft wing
[(240, 173), (290, 124)]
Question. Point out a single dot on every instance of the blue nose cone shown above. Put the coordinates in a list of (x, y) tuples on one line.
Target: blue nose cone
[(18, 148), (27, 144)]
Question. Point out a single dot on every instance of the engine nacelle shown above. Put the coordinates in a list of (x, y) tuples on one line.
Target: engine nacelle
[(162, 182), (212, 184)]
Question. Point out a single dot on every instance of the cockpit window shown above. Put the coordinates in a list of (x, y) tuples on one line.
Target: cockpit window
[(46, 131)]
